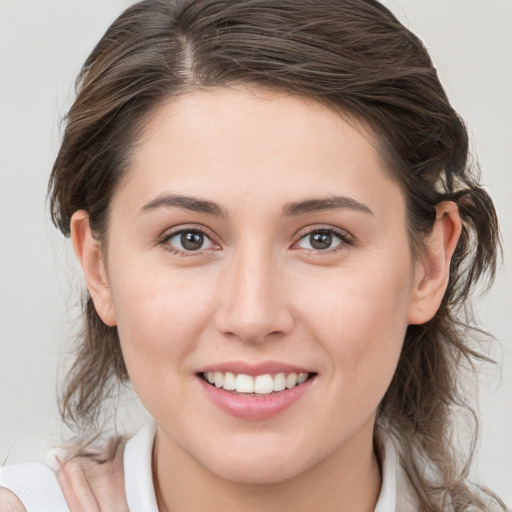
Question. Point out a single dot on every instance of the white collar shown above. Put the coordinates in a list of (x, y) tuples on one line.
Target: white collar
[(396, 493), (138, 473)]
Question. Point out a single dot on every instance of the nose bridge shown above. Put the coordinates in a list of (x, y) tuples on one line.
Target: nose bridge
[(253, 304)]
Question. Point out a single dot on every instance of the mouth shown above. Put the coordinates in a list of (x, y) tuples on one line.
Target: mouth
[(257, 385), (256, 390)]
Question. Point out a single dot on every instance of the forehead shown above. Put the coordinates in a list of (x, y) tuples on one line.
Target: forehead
[(237, 141)]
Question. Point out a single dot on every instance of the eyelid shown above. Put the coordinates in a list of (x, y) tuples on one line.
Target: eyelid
[(170, 233), (346, 238)]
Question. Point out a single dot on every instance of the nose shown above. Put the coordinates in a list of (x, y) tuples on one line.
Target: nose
[(253, 305)]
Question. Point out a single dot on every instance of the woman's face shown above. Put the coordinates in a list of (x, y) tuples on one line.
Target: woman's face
[(258, 234)]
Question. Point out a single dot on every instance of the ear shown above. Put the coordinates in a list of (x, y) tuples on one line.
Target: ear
[(90, 256), (432, 271)]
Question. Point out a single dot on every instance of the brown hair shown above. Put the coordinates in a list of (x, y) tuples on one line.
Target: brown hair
[(354, 56)]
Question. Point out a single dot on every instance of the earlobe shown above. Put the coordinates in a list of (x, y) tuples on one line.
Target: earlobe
[(90, 256), (432, 271)]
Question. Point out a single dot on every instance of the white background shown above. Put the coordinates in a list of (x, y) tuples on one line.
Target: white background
[(42, 46)]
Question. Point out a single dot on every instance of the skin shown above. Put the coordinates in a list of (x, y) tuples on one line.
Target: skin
[(95, 483), (257, 291), (89, 484)]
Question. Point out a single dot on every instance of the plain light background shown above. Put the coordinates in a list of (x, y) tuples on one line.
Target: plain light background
[(42, 46)]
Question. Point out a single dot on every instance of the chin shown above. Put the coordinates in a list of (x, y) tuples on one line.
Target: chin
[(258, 465), (263, 473)]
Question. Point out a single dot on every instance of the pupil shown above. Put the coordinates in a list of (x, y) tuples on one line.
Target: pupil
[(192, 241), (320, 240)]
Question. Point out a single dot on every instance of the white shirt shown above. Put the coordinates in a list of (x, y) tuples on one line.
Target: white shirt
[(36, 485)]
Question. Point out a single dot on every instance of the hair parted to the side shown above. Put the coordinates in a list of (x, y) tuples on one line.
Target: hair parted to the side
[(351, 55)]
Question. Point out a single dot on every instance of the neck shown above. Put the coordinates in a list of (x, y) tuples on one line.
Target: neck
[(346, 481)]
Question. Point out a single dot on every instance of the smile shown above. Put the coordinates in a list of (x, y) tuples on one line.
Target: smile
[(251, 393), (259, 384)]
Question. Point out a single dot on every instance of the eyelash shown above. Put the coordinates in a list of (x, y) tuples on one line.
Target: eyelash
[(345, 240), (166, 237)]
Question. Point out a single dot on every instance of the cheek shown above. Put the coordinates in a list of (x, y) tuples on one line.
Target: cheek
[(159, 316), (360, 319)]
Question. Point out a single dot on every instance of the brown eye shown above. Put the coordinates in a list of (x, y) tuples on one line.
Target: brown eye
[(321, 240), (189, 240)]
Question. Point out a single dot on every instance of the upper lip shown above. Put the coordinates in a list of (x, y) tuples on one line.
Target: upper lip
[(253, 369)]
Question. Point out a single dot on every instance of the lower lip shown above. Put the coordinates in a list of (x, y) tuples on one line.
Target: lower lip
[(250, 406)]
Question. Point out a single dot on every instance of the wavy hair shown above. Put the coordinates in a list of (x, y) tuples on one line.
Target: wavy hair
[(355, 57)]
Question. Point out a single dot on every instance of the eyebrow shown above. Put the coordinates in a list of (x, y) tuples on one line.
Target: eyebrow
[(327, 203), (186, 202), (290, 210)]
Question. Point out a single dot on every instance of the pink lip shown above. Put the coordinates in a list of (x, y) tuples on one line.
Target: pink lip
[(254, 407), (254, 369)]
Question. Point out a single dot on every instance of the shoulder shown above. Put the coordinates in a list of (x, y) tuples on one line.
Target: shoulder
[(85, 475), (33, 485), (116, 474), (9, 502)]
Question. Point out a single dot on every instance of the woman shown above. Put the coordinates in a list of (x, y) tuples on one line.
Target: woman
[(274, 213)]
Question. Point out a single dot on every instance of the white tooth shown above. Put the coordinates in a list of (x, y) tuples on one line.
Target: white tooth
[(291, 380), (244, 383), (303, 377), (229, 381), (219, 379), (279, 382), (210, 376), (263, 384)]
